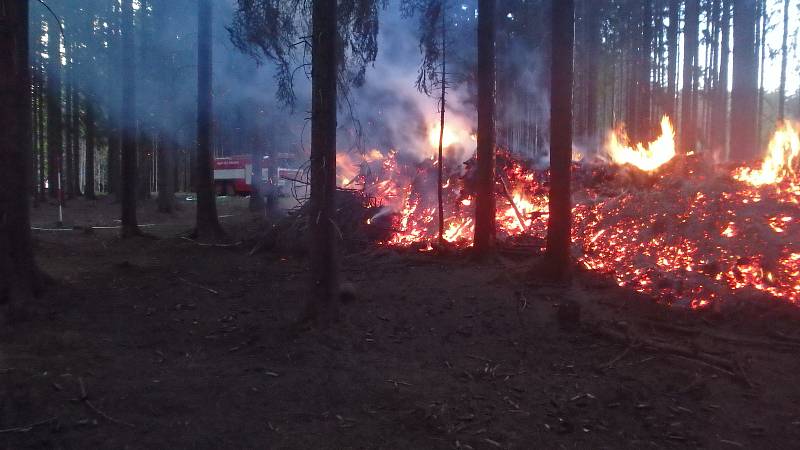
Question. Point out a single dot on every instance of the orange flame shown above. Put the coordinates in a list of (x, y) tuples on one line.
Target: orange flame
[(780, 161), (646, 157)]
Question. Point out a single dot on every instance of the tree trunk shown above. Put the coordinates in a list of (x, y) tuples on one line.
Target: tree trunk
[(19, 278), (745, 82), (207, 226), (35, 140), (114, 147), (593, 51), (324, 301), (485, 228), (690, 53), (559, 223), (145, 165), (672, 62), (76, 141), (784, 63), (720, 123), (645, 65), (42, 125), (66, 176), (761, 49), (166, 174), (55, 130), (256, 203), (91, 128), (130, 226), (442, 109)]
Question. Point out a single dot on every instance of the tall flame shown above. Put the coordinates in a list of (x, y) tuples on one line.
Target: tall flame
[(448, 138), (780, 161), (646, 157)]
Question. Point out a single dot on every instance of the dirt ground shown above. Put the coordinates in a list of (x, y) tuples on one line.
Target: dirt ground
[(163, 343)]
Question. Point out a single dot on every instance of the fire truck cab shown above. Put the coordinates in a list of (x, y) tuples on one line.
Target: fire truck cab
[(233, 175)]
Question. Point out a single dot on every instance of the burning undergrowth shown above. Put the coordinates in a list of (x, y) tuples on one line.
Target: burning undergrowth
[(679, 228)]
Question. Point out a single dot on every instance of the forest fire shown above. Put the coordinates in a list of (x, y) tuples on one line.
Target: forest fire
[(691, 236), (645, 157)]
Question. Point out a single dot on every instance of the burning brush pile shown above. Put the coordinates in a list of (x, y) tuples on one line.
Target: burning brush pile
[(677, 227)]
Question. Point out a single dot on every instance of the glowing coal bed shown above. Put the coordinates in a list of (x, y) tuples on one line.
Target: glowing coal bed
[(679, 228)]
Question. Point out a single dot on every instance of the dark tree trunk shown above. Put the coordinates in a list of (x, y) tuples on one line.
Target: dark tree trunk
[(690, 64), (593, 50), (485, 228), (207, 226), (114, 147), (19, 278), (35, 140), (719, 133), (784, 63), (145, 166), (761, 49), (55, 142), (256, 196), (75, 179), (130, 226), (745, 82), (645, 65), (324, 302), (42, 125), (66, 176), (166, 174), (91, 132), (442, 109), (559, 223), (672, 62)]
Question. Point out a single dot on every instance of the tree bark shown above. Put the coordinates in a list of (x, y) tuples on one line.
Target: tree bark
[(719, 132), (66, 176), (256, 203), (761, 49), (166, 174), (442, 109), (559, 222), (690, 63), (42, 125), (91, 128), (324, 301), (593, 51), (19, 276), (485, 228), (74, 176), (130, 226), (207, 226), (55, 142), (745, 82), (645, 65), (784, 63), (672, 62)]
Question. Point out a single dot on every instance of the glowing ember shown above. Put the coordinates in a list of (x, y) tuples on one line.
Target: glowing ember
[(780, 161), (692, 238), (646, 157)]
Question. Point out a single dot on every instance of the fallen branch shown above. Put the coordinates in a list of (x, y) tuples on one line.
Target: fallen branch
[(85, 400), (727, 366), (508, 197), (191, 283), (201, 244), (26, 428)]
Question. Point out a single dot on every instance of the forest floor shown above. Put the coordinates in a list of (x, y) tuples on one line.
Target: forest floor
[(164, 343)]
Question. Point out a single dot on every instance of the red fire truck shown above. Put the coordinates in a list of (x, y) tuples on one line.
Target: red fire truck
[(233, 174)]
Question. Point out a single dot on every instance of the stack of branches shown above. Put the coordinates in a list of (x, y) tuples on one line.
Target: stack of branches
[(354, 209)]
